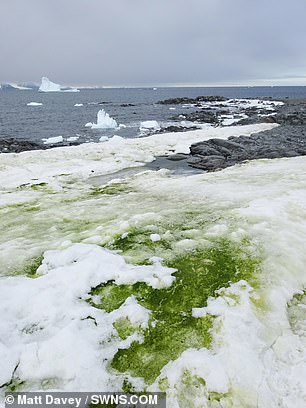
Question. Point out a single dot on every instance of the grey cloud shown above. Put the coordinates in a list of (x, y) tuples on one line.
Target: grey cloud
[(144, 42)]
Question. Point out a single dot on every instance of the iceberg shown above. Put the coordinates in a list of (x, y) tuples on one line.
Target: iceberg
[(49, 86), (104, 121)]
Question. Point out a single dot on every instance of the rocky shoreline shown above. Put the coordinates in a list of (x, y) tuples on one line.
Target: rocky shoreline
[(286, 140)]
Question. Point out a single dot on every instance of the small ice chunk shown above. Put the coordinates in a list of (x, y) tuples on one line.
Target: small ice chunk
[(78, 104), (53, 140), (104, 121), (34, 104), (149, 125), (89, 124), (103, 139), (72, 138), (155, 237)]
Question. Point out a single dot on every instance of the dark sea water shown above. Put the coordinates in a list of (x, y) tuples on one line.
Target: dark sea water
[(59, 117)]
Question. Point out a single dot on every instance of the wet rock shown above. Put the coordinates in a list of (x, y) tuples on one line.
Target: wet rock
[(202, 116), (11, 145), (185, 100)]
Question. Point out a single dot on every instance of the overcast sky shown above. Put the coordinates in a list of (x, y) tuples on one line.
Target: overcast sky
[(147, 42)]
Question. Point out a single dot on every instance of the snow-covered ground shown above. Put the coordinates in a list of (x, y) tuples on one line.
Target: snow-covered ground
[(257, 355)]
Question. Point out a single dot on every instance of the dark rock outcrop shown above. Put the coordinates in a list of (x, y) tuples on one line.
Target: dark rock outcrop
[(11, 145), (177, 101)]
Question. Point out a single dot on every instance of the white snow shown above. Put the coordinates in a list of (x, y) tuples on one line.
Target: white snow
[(34, 104), (72, 138), (155, 237), (53, 140), (104, 121), (256, 359)]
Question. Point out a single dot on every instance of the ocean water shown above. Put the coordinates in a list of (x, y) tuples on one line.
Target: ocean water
[(59, 117)]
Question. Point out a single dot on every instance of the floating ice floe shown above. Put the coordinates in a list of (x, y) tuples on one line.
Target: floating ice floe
[(53, 140), (49, 86), (34, 104), (149, 126), (72, 138), (103, 139), (104, 121), (79, 104)]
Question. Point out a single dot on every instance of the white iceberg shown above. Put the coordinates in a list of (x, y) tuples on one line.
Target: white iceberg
[(104, 121), (53, 140), (34, 104), (49, 86)]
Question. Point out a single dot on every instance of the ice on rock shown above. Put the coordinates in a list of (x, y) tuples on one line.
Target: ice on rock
[(48, 86), (104, 121), (53, 140)]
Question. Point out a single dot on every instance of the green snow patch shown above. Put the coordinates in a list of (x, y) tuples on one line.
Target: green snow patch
[(297, 313), (172, 328), (111, 189)]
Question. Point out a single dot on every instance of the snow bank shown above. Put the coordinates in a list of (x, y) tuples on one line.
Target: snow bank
[(104, 121), (257, 359), (37, 335)]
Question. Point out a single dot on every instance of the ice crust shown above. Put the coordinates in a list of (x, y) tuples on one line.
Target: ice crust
[(257, 360)]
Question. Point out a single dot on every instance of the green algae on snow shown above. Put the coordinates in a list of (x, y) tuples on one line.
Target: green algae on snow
[(173, 329), (111, 189)]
